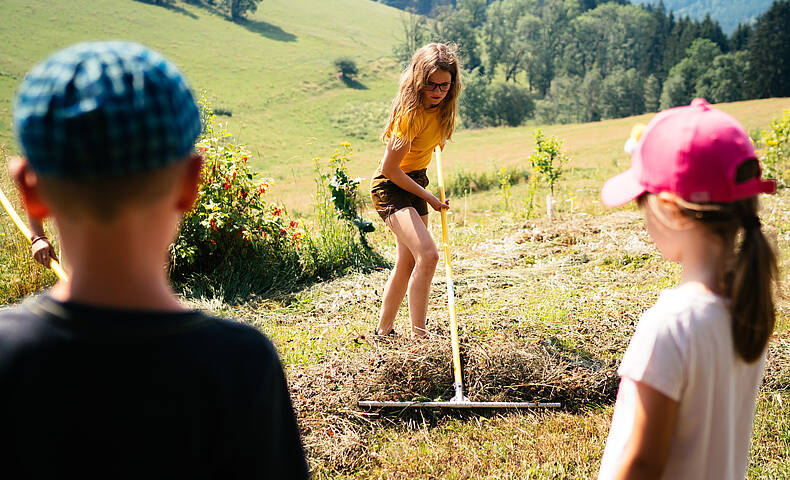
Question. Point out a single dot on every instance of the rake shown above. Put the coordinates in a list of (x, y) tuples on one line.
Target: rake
[(459, 400), (53, 264)]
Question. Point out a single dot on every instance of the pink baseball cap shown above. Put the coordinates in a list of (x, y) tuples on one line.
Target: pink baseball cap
[(692, 151)]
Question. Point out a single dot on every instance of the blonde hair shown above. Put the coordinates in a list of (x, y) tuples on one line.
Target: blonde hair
[(425, 61)]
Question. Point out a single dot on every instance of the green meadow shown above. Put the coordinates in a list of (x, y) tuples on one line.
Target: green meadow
[(273, 72), (545, 307)]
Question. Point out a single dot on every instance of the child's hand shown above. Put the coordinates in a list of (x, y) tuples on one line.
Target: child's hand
[(437, 204), (42, 251)]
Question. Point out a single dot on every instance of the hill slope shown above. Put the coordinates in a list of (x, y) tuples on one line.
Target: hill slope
[(729, 13), (273, 73)]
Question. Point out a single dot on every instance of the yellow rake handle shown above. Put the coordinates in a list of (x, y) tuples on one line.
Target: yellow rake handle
[(53, 264), (448, 269)]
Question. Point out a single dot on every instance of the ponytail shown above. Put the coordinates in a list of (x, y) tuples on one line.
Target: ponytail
[(751, 274), (751, 292)]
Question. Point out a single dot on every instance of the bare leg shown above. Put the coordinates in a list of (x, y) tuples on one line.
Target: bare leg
[(395, 288), (411, 231)]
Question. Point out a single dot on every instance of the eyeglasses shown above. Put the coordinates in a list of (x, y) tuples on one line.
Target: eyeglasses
[(431, 86)]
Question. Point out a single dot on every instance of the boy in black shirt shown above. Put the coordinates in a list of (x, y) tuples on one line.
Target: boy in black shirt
[(108, 376)]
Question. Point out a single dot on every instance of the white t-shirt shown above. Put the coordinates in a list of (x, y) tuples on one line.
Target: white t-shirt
[(683, 348)]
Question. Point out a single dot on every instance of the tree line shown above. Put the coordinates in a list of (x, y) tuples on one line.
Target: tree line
[(588, 60)]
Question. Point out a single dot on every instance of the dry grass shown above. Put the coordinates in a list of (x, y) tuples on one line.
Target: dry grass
[(20, 274), (546, 310)]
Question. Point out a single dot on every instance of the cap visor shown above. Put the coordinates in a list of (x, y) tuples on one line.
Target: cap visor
[(621, 189)]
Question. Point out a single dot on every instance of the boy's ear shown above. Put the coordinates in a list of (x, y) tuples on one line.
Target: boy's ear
[(190, 183), (27, 182)]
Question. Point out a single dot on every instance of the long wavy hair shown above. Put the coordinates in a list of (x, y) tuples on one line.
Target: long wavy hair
[(426, 60)]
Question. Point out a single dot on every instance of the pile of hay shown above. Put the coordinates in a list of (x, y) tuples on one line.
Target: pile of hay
[(337, 433)]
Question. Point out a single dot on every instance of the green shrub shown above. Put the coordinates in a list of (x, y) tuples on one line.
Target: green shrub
[(234, 241), (484, 104), (775, 150), (346, 67), (345, 191), (509, 104)]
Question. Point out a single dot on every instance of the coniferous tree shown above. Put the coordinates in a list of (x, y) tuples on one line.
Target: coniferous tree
[(769, 48), (740, 37), (652, 94)]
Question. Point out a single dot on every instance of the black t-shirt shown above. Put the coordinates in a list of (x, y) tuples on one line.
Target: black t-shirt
[(89, 392)]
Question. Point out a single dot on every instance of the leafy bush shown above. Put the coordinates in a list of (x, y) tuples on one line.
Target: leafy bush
[(347, 67), (484, 104), (775, 150), (345, 191), (509, 104), (234, 241)]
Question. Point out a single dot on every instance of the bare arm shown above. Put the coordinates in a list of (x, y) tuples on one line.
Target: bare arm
[(646, 452), (41, 248), (390, 167)]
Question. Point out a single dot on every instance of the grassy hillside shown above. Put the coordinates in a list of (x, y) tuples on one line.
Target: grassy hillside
[(274, 72), (595, 149)]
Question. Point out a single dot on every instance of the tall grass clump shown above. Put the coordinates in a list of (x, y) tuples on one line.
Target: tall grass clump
[(20, 275), (236, 241), (462, 182)]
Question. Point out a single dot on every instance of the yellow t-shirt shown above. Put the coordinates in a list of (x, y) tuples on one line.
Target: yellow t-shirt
[(425, 135)]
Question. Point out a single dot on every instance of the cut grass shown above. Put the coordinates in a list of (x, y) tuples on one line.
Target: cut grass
[(551, 327)]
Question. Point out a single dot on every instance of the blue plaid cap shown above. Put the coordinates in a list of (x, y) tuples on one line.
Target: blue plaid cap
[(104, 109)]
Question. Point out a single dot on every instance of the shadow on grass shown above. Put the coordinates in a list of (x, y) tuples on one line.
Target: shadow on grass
[(353, 83), (169, 6), (236, 284), (267, 30)]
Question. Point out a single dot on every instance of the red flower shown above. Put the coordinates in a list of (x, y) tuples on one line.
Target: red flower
[(277, 211), (293, 224), (213, 225), (244, 159), (202, 149), (226, 185), (234, 175), (213, 242)]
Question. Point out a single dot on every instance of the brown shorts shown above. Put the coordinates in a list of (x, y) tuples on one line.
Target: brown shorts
[(388, 198)]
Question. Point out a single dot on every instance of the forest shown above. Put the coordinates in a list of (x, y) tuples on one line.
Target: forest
[(588, 60)]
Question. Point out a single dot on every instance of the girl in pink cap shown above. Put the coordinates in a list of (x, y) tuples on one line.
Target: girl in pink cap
[(690, 375)]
